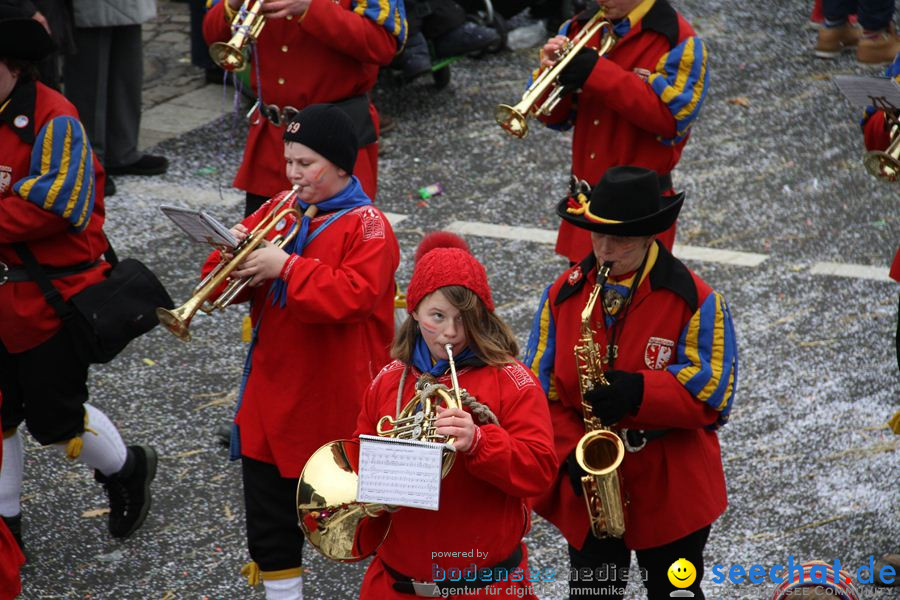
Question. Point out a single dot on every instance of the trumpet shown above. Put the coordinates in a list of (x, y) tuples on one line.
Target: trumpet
[(178, 320), (886, 165), (514, 118), (247, 25)]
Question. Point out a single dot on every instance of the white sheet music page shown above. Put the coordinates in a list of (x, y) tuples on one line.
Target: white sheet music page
[(399, 472), (200, 226)]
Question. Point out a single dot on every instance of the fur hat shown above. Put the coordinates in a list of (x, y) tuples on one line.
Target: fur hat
[(328, 130), (21, 37), (626, 202), (443, 259)]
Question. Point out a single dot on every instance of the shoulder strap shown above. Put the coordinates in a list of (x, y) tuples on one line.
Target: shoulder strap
[(51, 294)]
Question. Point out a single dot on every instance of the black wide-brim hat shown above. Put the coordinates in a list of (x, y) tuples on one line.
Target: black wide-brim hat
[(23, 38), (626, 201)]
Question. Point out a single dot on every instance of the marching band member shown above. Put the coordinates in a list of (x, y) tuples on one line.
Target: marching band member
[(635, 105), (323, 316), (51, 199), (503, 458), (11, 557), (668, 348), (876, 130), (309, 52)]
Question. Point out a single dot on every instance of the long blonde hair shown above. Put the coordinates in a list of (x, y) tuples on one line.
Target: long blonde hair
[(490, 338)]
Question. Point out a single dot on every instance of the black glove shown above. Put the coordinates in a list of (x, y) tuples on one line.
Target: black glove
[(621, 397), (575, 473), (578, 70)]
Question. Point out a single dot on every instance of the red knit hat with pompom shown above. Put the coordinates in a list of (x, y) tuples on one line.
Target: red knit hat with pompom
[(443, 259)]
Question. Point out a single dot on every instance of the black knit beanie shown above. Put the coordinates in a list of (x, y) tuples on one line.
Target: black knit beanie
[(328, 130)]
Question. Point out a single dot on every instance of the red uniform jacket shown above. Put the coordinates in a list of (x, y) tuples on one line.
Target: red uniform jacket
[(483, 496), (637, 105), (678, 334), (46, 161), (314, 358), (330, 54)]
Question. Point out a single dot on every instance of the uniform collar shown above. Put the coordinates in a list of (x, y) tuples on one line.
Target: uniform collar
[(652, 15), (666, 272), (21, 104)]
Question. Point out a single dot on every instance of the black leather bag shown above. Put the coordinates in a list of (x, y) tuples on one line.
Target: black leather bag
[(104, 317)]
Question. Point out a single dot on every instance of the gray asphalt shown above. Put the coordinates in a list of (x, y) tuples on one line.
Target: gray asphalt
[(812, 470)]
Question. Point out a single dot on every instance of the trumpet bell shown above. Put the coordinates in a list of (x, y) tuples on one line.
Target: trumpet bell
[(177, 321), (227, 57), (333, 521), (883, 165), (512, 120)]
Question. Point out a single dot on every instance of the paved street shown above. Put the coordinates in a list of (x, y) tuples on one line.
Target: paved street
[(780, 216)]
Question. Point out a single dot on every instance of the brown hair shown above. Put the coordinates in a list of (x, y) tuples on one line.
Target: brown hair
[(490, 338), (25, 70)]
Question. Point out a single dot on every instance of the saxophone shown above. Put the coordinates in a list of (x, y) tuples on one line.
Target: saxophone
[(600, 451)]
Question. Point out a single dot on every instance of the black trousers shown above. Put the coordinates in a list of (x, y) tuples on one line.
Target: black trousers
[(46, 387), (274, 538), (252, 203), (597, 569)]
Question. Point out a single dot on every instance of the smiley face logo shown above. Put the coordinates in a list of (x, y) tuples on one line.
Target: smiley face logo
[(682, 573)]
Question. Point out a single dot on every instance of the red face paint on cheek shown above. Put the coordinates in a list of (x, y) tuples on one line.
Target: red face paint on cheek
[(320, 174), (426, 329)]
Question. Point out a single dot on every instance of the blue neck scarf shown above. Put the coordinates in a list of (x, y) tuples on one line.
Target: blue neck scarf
[(421, 359), (352, 196)]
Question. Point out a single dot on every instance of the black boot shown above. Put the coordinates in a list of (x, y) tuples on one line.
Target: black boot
[(14, 524), (129, 491)]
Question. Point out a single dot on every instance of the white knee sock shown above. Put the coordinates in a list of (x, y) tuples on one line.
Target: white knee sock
[(284, 589), (102, 446), (11, 476)]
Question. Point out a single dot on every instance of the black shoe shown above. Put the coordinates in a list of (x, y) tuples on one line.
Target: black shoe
[(14, 524), (223, 434), (466, 39), (109, 188), (129, 491), (148, 164), (415, 59)]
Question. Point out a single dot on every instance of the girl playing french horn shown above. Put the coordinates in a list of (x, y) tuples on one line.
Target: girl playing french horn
[(505, 454)]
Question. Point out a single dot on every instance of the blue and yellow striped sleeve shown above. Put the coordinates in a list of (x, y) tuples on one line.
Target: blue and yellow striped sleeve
[(707, 362), (61, 174), (390, 14), (541, 351), (681, 79)]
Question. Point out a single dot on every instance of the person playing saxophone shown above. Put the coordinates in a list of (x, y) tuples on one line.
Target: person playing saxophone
[(668, 356)]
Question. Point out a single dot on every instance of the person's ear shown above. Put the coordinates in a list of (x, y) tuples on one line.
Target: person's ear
[(342, 173)]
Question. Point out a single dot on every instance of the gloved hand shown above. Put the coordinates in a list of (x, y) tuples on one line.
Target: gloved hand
[(578, 70), (575, 473), (621, 397)]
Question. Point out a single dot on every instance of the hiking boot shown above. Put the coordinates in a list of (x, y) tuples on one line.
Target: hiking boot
[(109, 188), (415, 59), (878, 48), (129, 491), (467, 38), (834, 40), (14, 524)]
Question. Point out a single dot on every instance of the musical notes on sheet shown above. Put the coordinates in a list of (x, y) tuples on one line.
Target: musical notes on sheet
[(399, 472)]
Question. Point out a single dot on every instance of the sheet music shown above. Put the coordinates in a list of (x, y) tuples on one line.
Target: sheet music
[(399, 472), (859, 90), (200, 226)]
